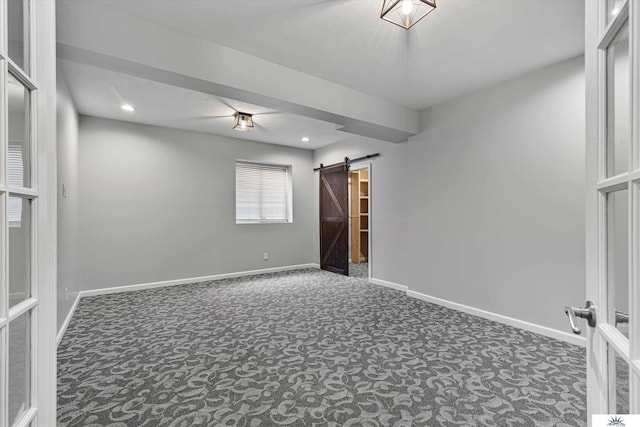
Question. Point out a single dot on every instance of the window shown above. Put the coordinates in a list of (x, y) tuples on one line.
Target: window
[(263, 193), (15, 178)]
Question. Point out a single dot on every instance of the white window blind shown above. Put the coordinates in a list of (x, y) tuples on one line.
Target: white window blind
[(15, 178), (263, 193)]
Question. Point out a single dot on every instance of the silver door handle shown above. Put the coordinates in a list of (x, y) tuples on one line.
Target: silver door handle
[(588, 312), (621, 317)]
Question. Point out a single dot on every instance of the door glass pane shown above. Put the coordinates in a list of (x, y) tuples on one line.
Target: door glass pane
[(19, 174), (16, 19), (622, 386), (618, 383), (618, 103), (19, 212), (19, 366), (613, 8), (617, 259)]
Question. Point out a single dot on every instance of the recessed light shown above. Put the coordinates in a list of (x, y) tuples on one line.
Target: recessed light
[(127, 107), (305, 139), (615, 11)]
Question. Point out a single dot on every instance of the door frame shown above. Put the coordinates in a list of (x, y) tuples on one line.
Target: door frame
[(44, 61), (601, 29), (369, 166), (40, 40)]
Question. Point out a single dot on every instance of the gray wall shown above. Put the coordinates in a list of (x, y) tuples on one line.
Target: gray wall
[(67, 143), (485, 207), (497, 179), (159, 204)]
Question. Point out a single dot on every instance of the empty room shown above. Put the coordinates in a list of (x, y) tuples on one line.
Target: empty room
[(319, 213)]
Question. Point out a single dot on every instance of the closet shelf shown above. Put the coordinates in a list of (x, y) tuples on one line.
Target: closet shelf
[(359, 211)]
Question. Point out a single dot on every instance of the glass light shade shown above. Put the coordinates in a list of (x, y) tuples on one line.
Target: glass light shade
[(394, 12), (244, 122)]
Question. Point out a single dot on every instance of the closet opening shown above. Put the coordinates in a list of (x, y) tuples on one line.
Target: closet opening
[(359, 222)]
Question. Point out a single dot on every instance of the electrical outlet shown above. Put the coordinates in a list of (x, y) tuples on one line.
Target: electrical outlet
[(266, 256), (66, 294), (64, 190)]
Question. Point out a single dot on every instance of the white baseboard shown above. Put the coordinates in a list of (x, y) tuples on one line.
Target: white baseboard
[(527, 326), (67, 320), (531, 327), (142, 286), (389, 284)]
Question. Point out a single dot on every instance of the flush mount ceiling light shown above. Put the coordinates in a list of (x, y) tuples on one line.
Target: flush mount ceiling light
[(305, 139), (129, 108), (244, 122), (405, 13)]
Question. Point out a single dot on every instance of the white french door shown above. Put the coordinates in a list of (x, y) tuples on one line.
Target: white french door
[(613, 205), (27, 212)]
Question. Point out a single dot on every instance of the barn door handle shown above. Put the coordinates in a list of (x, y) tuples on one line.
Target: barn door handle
[(621, 317), (588, 312)]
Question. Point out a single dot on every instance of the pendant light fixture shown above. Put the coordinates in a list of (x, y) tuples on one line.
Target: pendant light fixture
[(405, 13), (243, 122)]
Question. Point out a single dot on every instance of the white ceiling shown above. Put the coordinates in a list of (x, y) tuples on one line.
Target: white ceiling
[(462, 46), (101, 93)]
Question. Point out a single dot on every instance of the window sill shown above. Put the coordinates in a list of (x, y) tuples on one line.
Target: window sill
[(263, 222)]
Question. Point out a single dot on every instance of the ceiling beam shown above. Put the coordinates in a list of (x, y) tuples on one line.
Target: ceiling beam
[(96, 35)]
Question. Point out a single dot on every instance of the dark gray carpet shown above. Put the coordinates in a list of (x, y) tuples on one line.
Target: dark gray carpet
[(306, 348), (359, 270)]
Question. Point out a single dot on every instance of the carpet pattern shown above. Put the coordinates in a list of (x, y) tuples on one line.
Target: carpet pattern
[(305, 348), (360, 271)]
